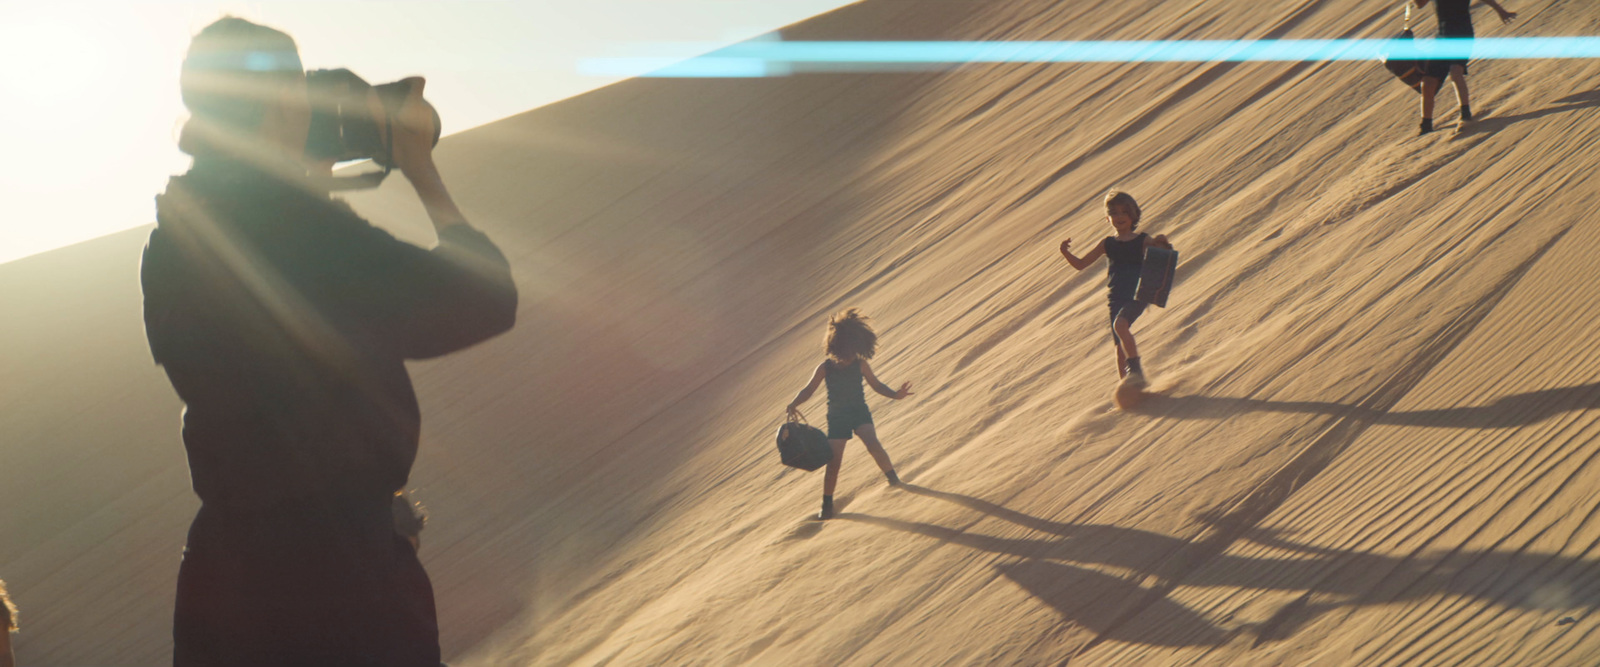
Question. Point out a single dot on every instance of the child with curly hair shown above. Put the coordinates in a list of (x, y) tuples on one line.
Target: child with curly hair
[(849, 344), (1124, 251)]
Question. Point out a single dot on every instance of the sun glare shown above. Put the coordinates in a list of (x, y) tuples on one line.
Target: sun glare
[(91, 108), (92, 99), (53, 70)]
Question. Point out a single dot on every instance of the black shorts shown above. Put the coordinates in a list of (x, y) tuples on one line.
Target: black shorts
[(1440, 69), (842, 422), (1129, 310)]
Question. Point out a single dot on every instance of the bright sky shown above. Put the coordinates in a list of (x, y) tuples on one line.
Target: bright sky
[(90, 101)]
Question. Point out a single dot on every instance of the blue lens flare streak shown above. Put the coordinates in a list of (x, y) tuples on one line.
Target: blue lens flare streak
[(771, 58)]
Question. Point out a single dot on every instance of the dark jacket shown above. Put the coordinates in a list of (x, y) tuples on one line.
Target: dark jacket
[(283, 319)]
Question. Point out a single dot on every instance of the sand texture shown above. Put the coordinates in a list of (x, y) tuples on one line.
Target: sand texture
[(1371, 436)]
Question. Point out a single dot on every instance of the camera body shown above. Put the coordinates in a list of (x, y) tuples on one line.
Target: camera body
[(344, 123)]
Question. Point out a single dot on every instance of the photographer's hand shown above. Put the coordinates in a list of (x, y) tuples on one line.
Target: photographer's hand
[(413, 153)]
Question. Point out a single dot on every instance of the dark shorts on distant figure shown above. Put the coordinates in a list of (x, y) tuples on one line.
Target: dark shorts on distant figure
[(842, 422), (1129, 310), (1440, 69)]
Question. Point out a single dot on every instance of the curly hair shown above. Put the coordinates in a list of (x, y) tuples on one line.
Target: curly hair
[(8, 611), (1125, 200), (850, 336)]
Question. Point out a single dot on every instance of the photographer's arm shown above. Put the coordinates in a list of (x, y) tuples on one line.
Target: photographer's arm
[(413, 153), (442, 210), (425, 303), (429, 303)]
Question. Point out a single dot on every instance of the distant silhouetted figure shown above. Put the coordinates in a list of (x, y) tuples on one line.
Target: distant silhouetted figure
[(283, 321), (850, 343), (1455, 21), (8, 625)]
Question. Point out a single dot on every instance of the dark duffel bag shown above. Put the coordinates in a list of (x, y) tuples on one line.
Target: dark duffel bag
[(1408, 71), (803, 446)]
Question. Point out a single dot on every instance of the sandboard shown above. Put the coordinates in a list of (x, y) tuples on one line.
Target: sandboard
[(1155, 276)]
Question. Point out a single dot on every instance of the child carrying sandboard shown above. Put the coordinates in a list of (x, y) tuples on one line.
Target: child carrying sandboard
[(1128, 254)]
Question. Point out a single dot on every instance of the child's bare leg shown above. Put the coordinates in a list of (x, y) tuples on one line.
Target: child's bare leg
[(830, 478), (869, 437), (1122, 361), (1128, 349), (1124, 331), (1458, 76), (1430, 88)]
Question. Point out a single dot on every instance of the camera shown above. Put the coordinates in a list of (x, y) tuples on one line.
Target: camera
[(344, 126)]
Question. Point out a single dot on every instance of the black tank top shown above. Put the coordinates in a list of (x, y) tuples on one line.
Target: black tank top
[(1126, 258), (844, 384), (1455, 17)]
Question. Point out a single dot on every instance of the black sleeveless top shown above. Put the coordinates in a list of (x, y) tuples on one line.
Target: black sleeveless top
[(1126, 258), (844, 385), (1455, 17)]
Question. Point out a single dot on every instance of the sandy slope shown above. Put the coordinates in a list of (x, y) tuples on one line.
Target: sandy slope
[(1379, 379)]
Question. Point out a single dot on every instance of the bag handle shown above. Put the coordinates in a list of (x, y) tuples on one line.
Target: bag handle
[(790, 418)]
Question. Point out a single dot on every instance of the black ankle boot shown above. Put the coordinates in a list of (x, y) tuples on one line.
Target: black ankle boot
[(827, 508), (1427, 126), (894, 479)]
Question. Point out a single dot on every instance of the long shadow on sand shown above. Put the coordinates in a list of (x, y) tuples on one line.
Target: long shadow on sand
[(1586, 100), (1066, 566), (1505, 412), (1378, 406)]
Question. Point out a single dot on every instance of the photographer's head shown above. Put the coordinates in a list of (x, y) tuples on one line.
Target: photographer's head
[(250, 101), (246, 93)]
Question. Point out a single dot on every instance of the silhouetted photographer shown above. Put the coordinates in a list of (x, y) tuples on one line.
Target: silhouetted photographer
[(283, 320)]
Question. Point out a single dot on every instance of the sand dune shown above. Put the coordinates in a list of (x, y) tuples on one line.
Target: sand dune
[(1378, 378)]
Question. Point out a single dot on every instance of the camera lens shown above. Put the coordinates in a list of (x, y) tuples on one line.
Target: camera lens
[(393, 96), (342, 125)]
